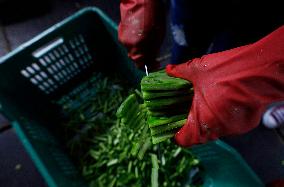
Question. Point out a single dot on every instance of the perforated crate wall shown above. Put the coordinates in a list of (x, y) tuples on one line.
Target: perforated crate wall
[(58, 62)]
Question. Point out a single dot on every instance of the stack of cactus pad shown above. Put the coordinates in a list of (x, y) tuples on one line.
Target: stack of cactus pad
[(134, 115), (168, 101)]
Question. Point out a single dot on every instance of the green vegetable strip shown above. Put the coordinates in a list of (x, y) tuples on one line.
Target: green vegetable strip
[(155, 162), (112, 182), (140, 123), (144, 148), (123, 109), (138, 145), (136, 172), (177, 152), (154, 177), (157, 121), (167, 109), (135, 148), (148, 95), (170, 112), (166, 102), (166, 127), (136, 124), (138, 93), (162, 137), (132, 110), (129, 167), (112, 162), (136, 118), (161, 81)]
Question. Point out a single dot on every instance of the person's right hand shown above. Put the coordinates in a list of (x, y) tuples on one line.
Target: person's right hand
[(232, 89), (141, 30)]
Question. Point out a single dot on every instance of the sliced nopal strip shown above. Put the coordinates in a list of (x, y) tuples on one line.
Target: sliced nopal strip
[(162, 137), (161, 81), (167, 127), (157, 121), (149, 95), (167, 102), (123, 109)]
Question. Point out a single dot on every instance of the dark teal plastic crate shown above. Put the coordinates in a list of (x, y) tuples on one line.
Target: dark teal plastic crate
[(51, 65)]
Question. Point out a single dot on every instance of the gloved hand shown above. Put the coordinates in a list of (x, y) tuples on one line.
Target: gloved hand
[(141, 30), (232, 89)]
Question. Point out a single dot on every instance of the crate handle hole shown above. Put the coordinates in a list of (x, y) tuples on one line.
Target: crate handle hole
[(46, 48)]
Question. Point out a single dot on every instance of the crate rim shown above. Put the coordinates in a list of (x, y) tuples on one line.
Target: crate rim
[(33, 155)]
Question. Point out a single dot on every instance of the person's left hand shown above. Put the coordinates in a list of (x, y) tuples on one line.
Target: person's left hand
[(232, 89)]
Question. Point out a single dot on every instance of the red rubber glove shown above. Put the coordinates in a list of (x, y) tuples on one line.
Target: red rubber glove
[(141, 30), (232, 89)]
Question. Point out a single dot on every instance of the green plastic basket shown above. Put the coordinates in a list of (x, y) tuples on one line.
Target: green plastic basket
[(50, 66)]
